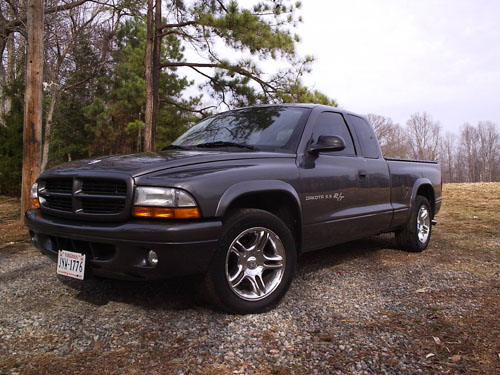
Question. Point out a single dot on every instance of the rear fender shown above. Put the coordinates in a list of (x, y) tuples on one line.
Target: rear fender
[(421, 182)]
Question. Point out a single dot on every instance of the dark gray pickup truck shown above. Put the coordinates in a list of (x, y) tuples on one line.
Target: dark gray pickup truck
[(237, 198)]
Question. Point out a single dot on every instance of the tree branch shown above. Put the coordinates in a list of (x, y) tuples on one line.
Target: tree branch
[(174, 25), (231, 68), (9, 27), (184, 108)]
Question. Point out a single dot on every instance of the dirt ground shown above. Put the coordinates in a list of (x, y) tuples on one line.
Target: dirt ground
[(364, 307)]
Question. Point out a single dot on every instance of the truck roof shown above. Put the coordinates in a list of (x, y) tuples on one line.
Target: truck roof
[(306, 105)]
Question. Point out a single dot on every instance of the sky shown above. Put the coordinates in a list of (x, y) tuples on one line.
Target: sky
[(397, 57)]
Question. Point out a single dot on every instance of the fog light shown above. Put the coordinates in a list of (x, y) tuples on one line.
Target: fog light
[(152, 258)]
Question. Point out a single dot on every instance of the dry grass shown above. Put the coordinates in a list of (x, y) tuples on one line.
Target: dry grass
[(469, 227), (11, 228), (472, 209)]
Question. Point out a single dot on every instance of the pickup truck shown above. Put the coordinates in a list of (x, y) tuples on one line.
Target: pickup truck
[(236, 198)]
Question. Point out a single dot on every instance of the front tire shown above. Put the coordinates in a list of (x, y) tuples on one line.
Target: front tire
[(415, 236), (254, 263)]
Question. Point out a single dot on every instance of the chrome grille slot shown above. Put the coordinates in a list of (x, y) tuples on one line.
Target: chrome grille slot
[(63, 185), (61, 203), (104, 187), (102, 206)]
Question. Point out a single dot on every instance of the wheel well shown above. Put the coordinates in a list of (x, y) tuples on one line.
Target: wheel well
[(278, 203), (428, 192)]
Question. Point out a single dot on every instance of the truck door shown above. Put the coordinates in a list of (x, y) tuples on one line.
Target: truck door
[(334, 186), (380, 209)]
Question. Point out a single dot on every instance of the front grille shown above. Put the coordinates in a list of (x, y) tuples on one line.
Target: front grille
[(63, 185), (102, 206), (104, 187), (60, 203), (86, 197)]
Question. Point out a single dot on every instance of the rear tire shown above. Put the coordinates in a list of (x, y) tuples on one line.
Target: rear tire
[(253, 265), (415, 236)]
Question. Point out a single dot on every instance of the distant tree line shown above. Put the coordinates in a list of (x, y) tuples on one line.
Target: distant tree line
[(472, 155)]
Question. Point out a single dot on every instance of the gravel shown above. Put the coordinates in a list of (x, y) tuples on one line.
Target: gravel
[(362, 308)]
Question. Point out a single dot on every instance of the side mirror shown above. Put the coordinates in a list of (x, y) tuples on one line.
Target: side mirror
[(327, 143)]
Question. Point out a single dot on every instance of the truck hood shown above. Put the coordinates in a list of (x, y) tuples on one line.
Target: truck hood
[(139, 164)]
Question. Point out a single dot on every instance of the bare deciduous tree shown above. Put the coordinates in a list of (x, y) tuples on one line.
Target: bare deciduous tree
[(62, 32), (392, 137), (489, 150), (424, 135), (447, 157), (468, 153)]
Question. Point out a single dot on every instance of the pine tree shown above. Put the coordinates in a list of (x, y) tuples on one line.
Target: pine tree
[(233, 42)]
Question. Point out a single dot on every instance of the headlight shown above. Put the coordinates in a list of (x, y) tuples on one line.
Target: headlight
[(158, 202), (34, 196)]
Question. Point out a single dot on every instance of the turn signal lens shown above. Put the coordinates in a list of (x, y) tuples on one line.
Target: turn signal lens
[(166, 213), (187, 213), (35, 203)]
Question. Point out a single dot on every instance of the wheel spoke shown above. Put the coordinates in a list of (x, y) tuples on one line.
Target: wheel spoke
[(258, 286), (239, 248), (272, 262), (272, 266), (423, 215), (237, 278), (273, 258), (261, 241)]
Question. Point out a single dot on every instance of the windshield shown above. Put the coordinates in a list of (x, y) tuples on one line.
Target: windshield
[(261, 128)]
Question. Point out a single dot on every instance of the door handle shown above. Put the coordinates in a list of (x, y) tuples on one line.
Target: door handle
[(362, 174)]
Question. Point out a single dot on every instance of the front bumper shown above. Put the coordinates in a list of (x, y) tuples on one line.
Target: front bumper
[(119, 250)]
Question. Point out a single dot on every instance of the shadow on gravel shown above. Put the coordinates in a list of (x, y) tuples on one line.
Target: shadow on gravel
[(172, 294), (184, 293)]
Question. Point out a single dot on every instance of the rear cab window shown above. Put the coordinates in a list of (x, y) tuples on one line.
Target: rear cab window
[(366, 137)]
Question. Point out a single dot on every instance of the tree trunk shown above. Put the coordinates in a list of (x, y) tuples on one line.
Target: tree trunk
[(11, 64), (48, 128), (153, 67), (32, 130), (149, 117), (156, 68), (8, 79)]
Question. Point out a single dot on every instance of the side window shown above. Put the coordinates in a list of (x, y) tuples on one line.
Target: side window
[(331, 123), (367, 137)]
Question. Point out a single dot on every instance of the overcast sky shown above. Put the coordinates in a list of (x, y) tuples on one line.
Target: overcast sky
[(397, 57)]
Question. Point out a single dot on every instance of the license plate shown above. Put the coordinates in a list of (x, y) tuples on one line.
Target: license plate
[(71, 264)]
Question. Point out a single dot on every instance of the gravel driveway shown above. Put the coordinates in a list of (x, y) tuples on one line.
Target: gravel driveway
[(355, 309)]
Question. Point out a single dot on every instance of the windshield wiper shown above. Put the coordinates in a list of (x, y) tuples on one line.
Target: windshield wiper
[(225, 144), (175, 147)]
